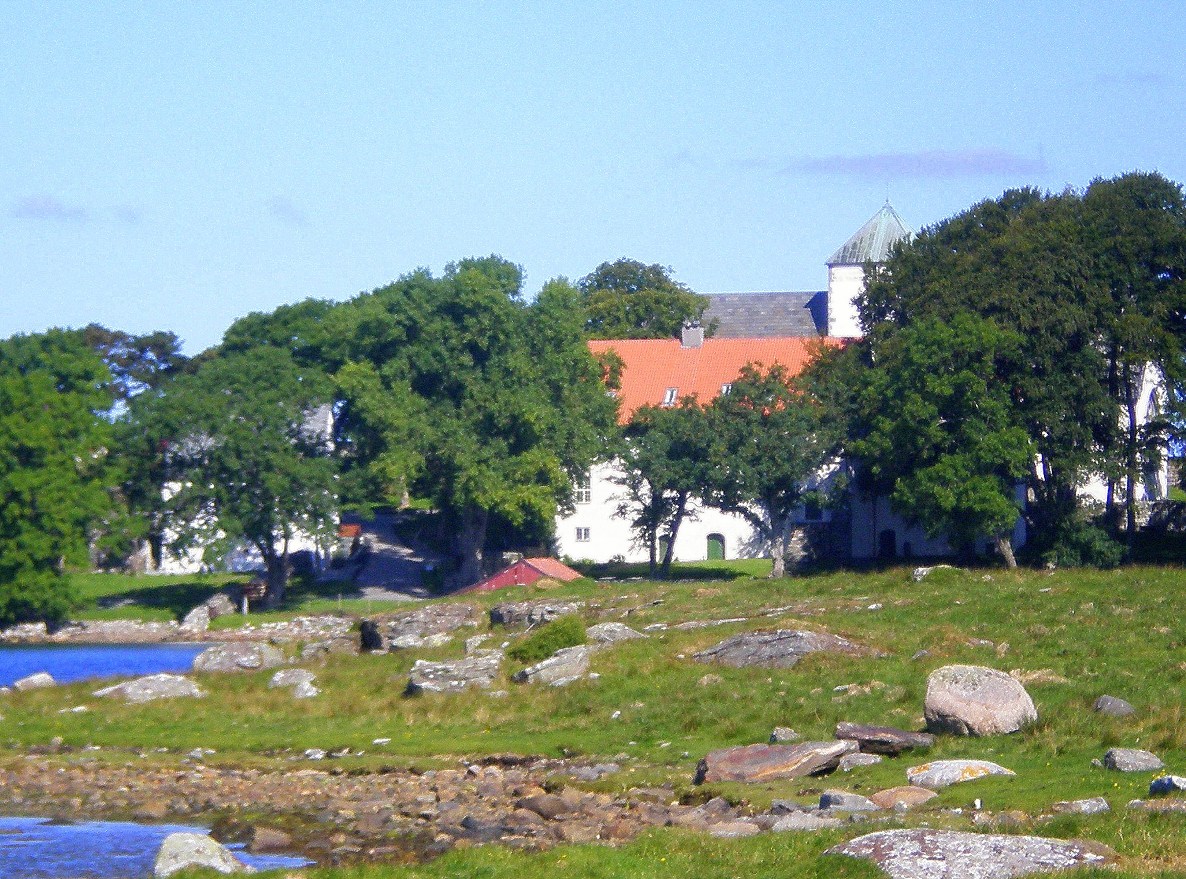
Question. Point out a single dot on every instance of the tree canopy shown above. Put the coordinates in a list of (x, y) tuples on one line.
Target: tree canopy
[(245, 448), (627, 299), (459, 390), (54, 467), (778, 447), (1093, 285)]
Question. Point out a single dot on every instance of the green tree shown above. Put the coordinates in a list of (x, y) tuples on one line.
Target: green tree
[(939, 433), (667, 459), (1136, 227), (627, 299), (458, 390), (244, 447), (778, 444), (53, 468)]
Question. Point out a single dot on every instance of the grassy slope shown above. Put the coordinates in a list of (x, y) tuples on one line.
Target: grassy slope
[(1103, 632)]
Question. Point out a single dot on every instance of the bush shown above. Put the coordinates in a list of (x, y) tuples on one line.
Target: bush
[(1084, 545), (567, 631)]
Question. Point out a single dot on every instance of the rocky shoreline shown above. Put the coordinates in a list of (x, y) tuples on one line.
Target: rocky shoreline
[(345, 816), (307, 629)]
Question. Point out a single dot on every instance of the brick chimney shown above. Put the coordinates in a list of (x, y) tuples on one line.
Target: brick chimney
[(692, 335)]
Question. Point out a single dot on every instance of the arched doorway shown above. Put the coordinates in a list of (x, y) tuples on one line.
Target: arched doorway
[(716, 547)]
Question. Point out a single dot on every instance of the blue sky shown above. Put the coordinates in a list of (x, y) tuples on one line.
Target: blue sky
[(177, 165)]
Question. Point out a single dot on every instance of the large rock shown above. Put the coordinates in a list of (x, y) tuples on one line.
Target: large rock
[(944, 773), (428, 626), (240, 656), (846, 801), (1112, 706), (779, 649), (970, 700), (1167, 784), (196, 621), (153, 687), (476, 670), (36, 681), (1132, 760), (181, 851), (611, 633), (768, 762), (905, 797), (561, 667), (883, 739), (291, 677), (950, 854), (532, 612)]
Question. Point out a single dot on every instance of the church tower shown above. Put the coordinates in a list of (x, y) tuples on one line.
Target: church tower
[(846, 268)]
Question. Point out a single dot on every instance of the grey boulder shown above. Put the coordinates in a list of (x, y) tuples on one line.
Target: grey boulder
[(452, 676), (782, 648), (152, 687), (183, 851), (291, 677), (1167, 784), (1132, 760), (36, 681), (950, 854), (532, 612), (1112, 706), (883, 739), (944, 773), (240, 656), (845, 801), (769, 762), (561, 667), (1091, 806), (612, 633), (971, 700)]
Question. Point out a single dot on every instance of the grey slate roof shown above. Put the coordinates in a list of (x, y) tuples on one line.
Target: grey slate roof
[(874, 240), (766, 315)]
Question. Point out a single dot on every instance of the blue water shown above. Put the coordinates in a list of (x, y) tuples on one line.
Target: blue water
[(34, 848), (76, 662)]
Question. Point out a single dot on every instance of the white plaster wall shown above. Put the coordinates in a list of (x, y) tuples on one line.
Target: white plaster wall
[(610, 534), (845, 284)]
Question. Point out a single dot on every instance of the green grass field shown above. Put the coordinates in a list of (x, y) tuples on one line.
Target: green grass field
[(1074, 635)]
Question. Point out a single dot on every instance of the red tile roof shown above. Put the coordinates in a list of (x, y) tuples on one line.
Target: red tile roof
[(651, 366), (554, 568)]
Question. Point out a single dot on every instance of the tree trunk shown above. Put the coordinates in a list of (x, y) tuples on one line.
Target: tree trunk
[(469, 542), (778, 549), (1005, 548), (276, 564), (681, 508)]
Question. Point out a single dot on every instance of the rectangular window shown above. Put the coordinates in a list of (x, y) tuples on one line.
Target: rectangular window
[(583, 492), (669, 396), (726, 388), (812, 511), (582, 535)]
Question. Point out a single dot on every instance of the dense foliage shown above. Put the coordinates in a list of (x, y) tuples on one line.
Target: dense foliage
[(627, 299), (54, 468), (1093, 284)]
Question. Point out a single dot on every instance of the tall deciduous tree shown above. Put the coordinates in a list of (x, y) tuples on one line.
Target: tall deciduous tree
[(247, 457), (458, 389), (778, 443), (939, 433), (668, 457), (53, 467), (627, 299)]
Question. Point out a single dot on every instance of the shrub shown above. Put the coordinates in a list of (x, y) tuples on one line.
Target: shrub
[(567, 631), (1082, 544)]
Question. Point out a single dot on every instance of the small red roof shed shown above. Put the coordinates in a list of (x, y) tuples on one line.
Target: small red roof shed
[(525, 572)]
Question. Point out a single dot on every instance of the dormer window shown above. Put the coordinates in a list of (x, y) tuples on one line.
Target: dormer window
[(726, 388), (669, 396)]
